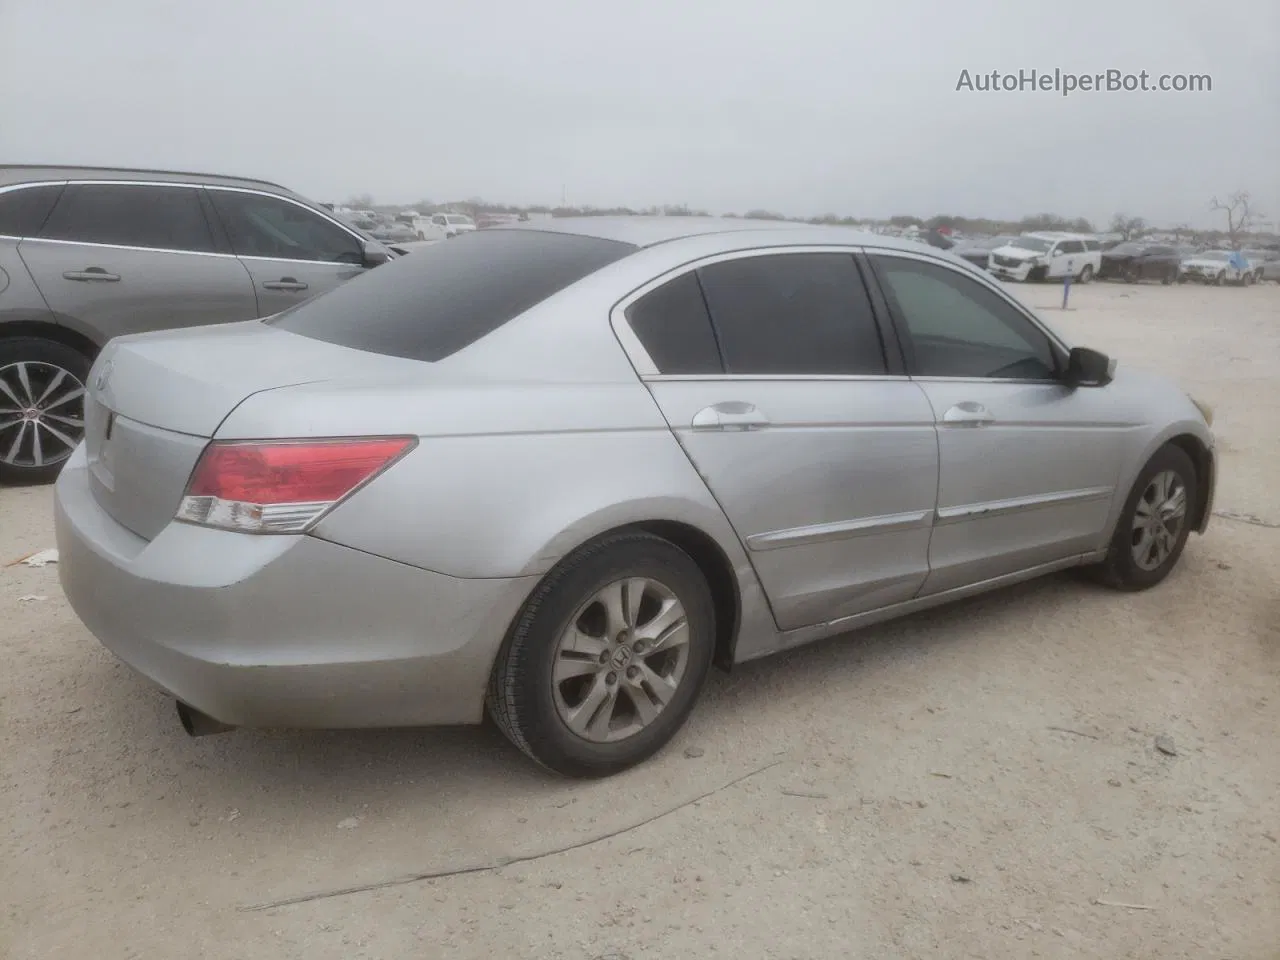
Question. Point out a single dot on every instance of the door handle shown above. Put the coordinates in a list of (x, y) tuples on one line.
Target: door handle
[(89, 274), (967, 414), (730, 415), (285, 283)]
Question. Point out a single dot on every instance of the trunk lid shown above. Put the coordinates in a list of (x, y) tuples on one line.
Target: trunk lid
[(154, 401)]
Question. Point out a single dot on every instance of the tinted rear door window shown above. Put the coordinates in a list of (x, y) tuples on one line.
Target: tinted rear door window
[(793, 314), (164, 218), (673, 325), (24, 211), (444, 298)]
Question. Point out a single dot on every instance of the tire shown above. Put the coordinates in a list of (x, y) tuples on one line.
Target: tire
[(1086, 274), (1221, 279), (44, 364), (1121, 569), (534, 711), (1182, 279), (1249, 279), (1037, 274), (1168, 277), (1131, 275)]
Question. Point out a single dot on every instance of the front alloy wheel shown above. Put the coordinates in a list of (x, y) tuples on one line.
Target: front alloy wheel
[(1154, 525)]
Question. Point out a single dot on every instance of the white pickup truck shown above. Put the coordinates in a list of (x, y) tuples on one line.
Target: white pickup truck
[(442, 226)]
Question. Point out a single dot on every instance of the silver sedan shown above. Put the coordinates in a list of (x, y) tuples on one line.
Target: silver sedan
[(559, 470)]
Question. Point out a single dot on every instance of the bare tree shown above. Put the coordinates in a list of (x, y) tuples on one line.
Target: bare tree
[(1240, 214), (1128, 227), (361, 201)]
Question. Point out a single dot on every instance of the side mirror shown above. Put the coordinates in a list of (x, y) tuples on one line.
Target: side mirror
[(374, 254), (1089, 368)]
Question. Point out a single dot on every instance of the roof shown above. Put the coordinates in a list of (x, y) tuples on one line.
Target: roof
[(642, 231), (11, 173)]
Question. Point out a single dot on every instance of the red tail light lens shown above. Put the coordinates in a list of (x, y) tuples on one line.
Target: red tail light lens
[(281, 486)]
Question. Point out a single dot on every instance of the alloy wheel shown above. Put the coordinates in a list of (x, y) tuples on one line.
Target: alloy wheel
[(1158, 518), (41, 414), (620, 660)]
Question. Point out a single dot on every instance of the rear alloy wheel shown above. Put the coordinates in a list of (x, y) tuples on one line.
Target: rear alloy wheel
[(42, 388), (1087, 273), (606, 660), (1155, 523)]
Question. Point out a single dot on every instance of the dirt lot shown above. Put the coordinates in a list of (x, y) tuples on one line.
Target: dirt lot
[(980, 781)]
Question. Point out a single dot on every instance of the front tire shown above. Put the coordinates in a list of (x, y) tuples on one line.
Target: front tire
[(42, 389), (1221, 279), (607, 658), (1154, 524), (1086, 274)]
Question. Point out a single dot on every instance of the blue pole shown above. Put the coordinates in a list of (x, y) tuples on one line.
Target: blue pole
[(1066, 287)]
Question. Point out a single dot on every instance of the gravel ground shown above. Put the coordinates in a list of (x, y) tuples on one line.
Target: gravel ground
[(979, 781)]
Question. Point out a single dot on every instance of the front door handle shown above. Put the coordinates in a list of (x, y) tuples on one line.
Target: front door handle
[(730, 415), (967, 414), (90, 274), (285, 283)]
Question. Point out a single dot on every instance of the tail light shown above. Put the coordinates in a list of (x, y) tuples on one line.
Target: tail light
[(281, 486)]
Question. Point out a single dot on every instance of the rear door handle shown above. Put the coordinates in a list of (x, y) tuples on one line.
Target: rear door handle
[(90, 274), (285, 283), (967, 414), (730, 415)]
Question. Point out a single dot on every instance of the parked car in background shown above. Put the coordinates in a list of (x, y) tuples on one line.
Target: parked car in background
[(91, 253), (443, 226), (1258, 260), (977, 250), (1217, 267), (1270, 270), (1047, 256), (392, 231), (1135, 260), (380, 508)]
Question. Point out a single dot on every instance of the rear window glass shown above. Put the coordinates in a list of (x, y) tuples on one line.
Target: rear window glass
[(442, 299), (24, 211)]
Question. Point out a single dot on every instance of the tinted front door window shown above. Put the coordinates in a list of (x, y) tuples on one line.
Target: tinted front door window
[(958, 327), (160, 218), (793, 314), (262, 226)]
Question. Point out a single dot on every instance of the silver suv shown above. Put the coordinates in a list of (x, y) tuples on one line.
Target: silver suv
[(87, 254)]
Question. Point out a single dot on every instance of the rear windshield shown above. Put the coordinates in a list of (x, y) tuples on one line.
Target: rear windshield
[(445, 298)]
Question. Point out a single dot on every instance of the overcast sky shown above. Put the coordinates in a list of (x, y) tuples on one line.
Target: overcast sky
[(801, 106)]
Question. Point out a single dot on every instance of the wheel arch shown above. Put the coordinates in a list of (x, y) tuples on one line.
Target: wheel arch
[(707, 553), (1202, 459), (55, 332)]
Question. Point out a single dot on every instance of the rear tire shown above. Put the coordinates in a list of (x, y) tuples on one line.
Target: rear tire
[(42, 386), (1144, 549), (579, 685)]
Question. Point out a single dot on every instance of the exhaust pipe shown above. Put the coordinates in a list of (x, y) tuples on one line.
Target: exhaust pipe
[(199, 724)]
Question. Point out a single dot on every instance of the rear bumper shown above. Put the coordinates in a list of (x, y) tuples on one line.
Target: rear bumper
[(281, 631)]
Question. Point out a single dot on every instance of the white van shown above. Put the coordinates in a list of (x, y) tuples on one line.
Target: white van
[(1048, 255), (442, 226)]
